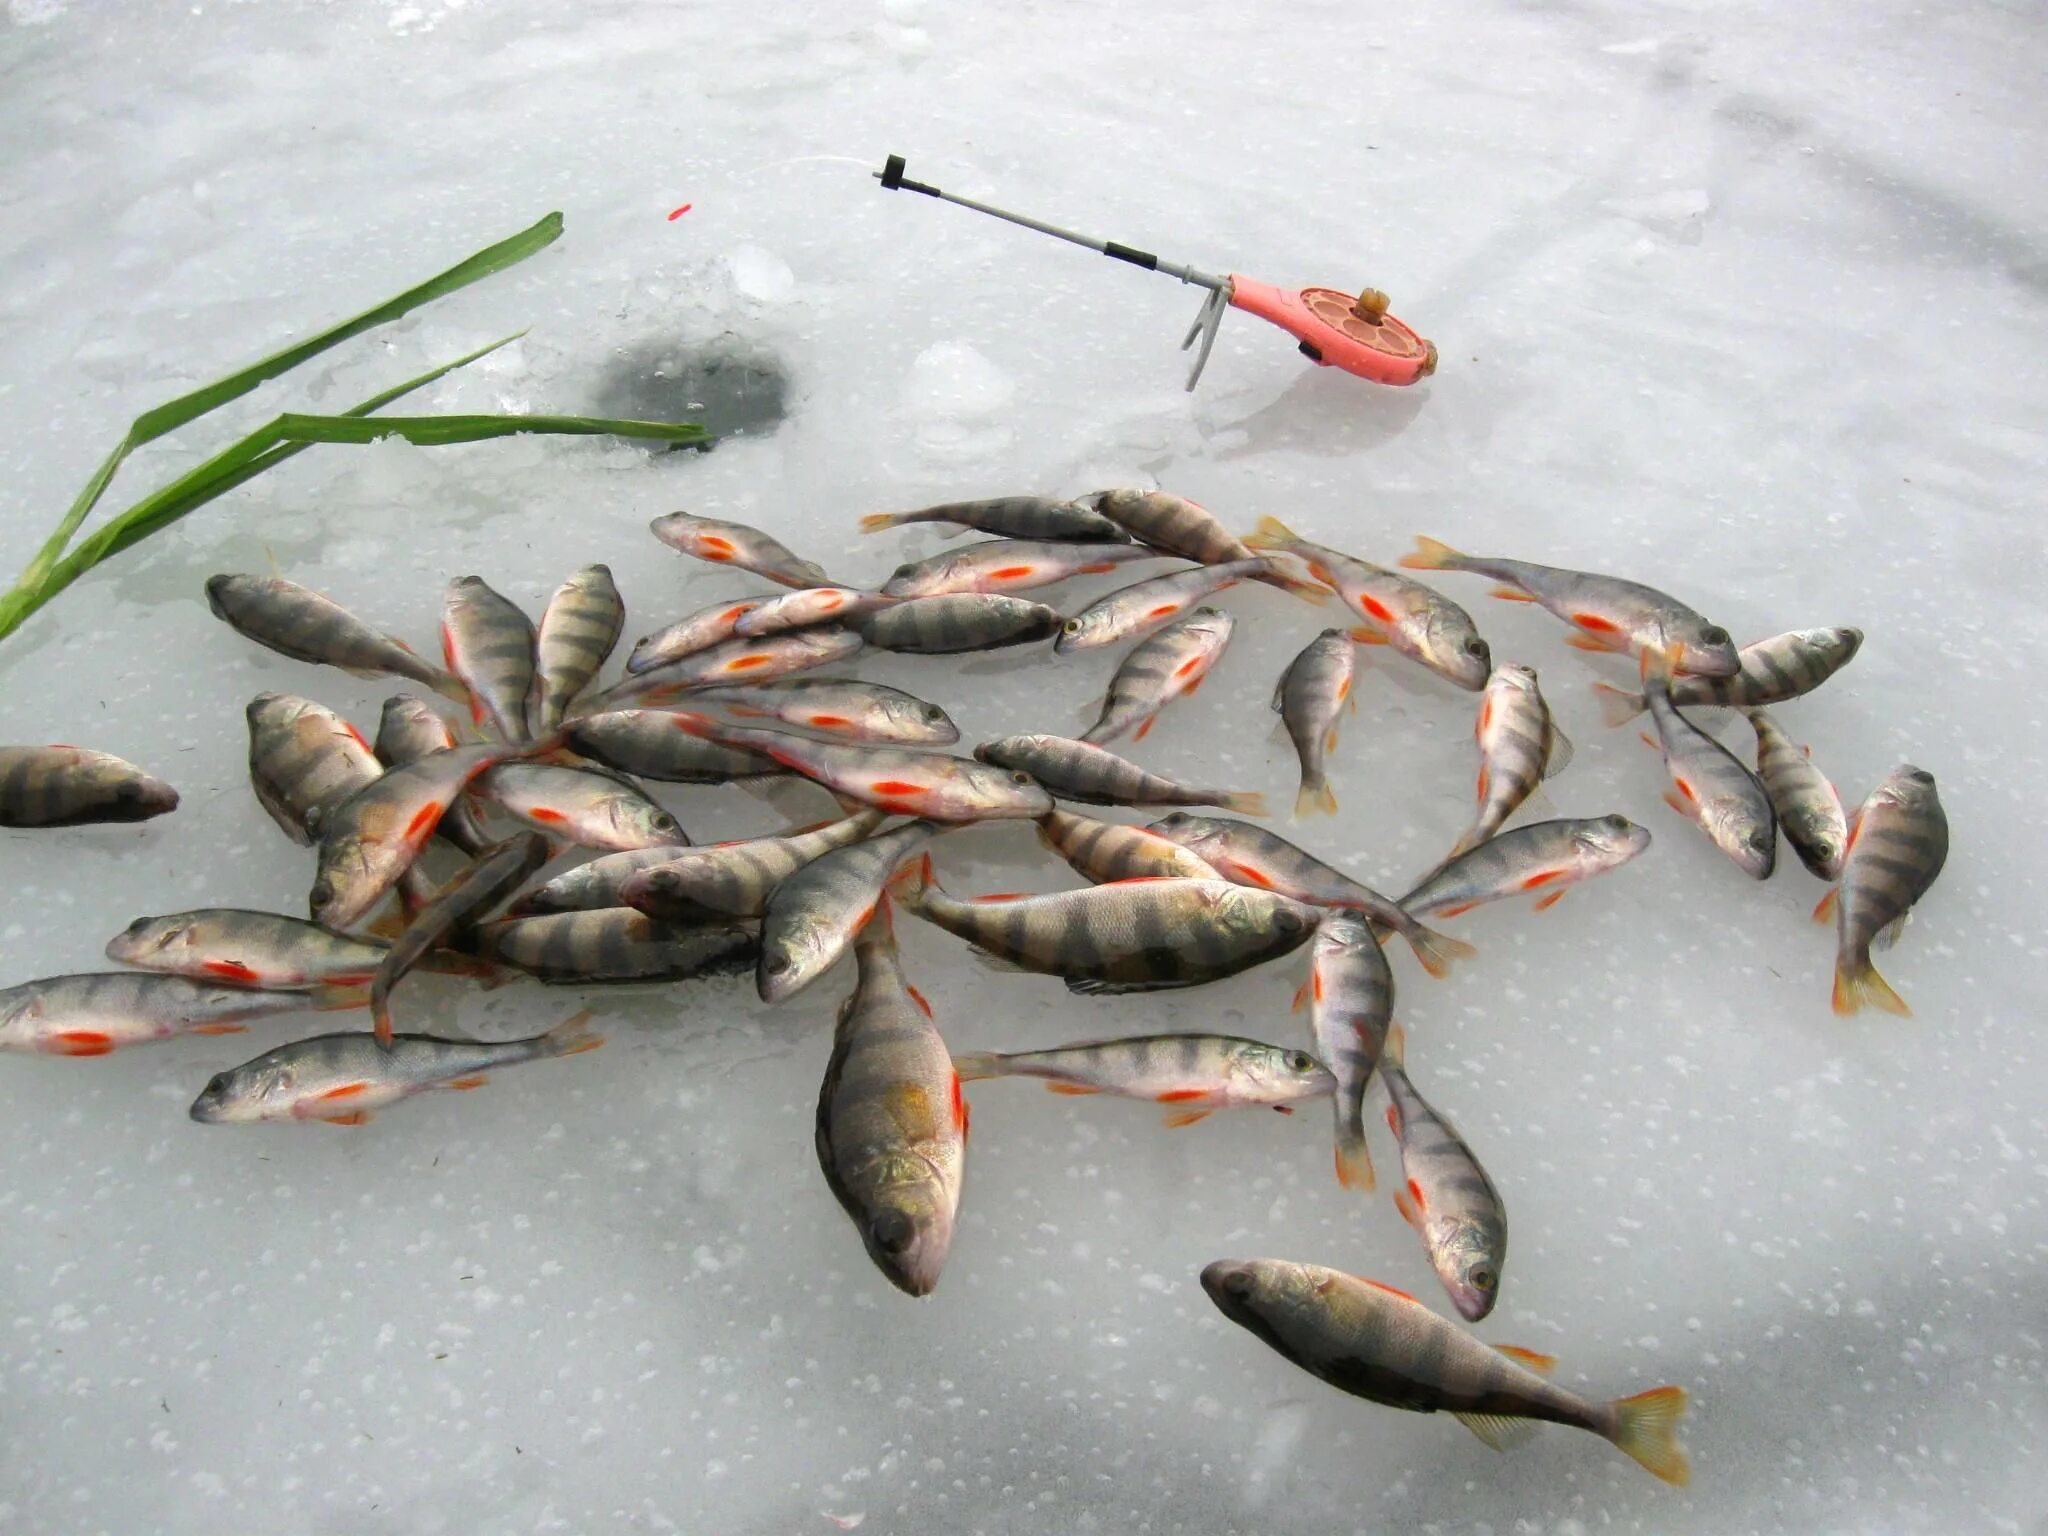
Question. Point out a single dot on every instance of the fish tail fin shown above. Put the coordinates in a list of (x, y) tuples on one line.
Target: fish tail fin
[(1315, 798), (1617, 705), (1646, 1427), (1271, 533), (1394, 1049), (973, 1066), (1354, 1164), (1248, 801), (1431, 555), (1857, 984), (331, 998), (875, 522), (909, 883), (1436, 950), (571, 1037)]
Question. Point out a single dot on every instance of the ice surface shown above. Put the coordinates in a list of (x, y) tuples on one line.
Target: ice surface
[(1745, 300)]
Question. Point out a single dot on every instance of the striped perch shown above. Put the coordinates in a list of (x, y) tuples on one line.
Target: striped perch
[(1103, 851), (812, 916), (736, 544), (736, 879), (687, 636), (575, 638), (1383, 1345), (304, 760), (1544, 859), (648, 744), (837, 706), (1711, 787), (591, 807), (733, 661), (1157, 671), (98, 1012), (298, 622), (1266, 861), (407, 731), (1130, 936), (1446, 1196), (1177, 526), (1898, 843), (1075, 770), (1350, 997), (1771, 671), (957, 622), (1010, 517), (1809, 810), (1310, 695), (62, 786), (487, 641), (1009, 565), (1519, 747), (616, 944), (1195, 1074), (1132, 612), (233, 947), (891, 1129)]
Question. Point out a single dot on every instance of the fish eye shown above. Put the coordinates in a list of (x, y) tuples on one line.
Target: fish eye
[(1020, 777), (1482, 1278), (1288, 922), (1614, 823), (776, 965), (323, 892), (1476, 647), (1238, 1284), (663, 822), (933, 712), (1071, 627), (902, 570), (892, 1231), (1714, 634), (1300, 1061)]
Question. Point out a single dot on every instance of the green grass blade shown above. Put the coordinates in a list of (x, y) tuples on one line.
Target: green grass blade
[(172, 414), (235, 465), (438, 431)]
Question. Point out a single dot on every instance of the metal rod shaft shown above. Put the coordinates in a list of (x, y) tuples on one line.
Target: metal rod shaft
[(891, 176)]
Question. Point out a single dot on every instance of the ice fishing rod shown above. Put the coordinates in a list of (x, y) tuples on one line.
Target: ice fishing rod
[(1335, 329)]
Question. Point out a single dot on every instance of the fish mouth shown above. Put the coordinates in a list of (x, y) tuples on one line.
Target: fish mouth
[(1229, 1284)]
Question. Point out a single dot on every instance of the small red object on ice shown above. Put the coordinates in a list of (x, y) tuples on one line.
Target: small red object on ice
[(680, 212), (1334, 329)]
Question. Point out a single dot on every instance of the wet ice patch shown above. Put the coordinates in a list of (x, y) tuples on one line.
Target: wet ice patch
[(956, 401)]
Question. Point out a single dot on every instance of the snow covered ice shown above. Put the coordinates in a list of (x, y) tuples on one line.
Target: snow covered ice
[(1746, 302)]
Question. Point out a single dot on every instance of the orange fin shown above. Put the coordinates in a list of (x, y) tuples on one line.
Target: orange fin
[(1541, 1364), (1365, 636), (1074, 1089), (1406, 1207), (1181, 1117), (221, 1029), (1824, 911), (1579, 640), (1301, 996), (1545, 903), (462, 1084), (360, 1117), (1511, 595), (1672, 799)]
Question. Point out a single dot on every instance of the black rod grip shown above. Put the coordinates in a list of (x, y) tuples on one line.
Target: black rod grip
[(892, 178), (1132, 254)]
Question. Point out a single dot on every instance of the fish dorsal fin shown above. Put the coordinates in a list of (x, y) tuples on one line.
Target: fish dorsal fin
[(1558, 756), (1494, 1430), (1541, 1364)]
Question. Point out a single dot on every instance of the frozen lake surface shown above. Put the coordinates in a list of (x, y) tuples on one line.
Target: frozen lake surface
[(1745, 301)]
